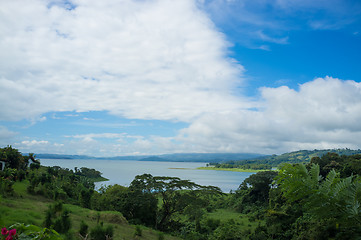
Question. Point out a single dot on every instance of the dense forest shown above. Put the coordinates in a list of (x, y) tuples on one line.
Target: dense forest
[(319, 199)]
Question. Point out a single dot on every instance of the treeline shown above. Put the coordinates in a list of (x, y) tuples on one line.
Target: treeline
[(273, 161)]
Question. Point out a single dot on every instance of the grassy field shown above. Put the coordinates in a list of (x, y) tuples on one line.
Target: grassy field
[(226, 214), (30, 209), (229, 169)]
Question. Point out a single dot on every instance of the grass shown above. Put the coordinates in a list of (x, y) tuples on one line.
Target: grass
[(225, 215), (230, 169), (30, 209)]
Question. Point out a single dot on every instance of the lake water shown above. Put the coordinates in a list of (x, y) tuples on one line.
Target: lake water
[(123, 172)]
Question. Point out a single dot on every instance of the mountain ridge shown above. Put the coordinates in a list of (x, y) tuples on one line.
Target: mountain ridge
[(292, 157)]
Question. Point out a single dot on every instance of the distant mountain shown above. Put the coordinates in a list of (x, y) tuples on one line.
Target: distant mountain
[(209, 157), (176, 157), (154, 158), (61, 156), (301, 156)]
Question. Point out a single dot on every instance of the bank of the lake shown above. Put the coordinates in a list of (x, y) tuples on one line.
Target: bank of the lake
[(122, 172), (230, 169)]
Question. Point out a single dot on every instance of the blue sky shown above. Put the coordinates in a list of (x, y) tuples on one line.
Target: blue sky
[(109, 78)]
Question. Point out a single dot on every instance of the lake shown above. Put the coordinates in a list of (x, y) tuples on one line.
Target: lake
[(123, 172)]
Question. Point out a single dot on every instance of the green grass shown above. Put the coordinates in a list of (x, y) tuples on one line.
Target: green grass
[(225, 215), (30, 209), (230, 169)]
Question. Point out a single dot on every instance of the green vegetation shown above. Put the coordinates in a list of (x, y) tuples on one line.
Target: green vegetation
[(273, 161), (317, 200), (230, 169)]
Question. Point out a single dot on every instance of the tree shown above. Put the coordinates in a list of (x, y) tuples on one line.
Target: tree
[(176, 196), (259, 184), (12, 157)]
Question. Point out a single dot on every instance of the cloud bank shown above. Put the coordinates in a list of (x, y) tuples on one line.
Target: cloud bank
[(135, 59), (163, 60), (323, 113)]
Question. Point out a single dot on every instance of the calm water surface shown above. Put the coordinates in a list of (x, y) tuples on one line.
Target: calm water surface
[(123, 172)]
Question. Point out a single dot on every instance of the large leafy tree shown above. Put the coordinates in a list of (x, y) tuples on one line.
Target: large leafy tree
[(12, 157), (176, 196), (259, 185)]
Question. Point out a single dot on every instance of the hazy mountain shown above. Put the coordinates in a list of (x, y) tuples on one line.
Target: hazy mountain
[(176, 157)]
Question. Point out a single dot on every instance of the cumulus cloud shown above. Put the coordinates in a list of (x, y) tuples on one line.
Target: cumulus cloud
[(39, 146), (136, 59), (323, 113), (165, 60)]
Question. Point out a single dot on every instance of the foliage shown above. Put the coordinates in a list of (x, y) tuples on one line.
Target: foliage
[(177, 196), (13, 158), (137, 206), (57, 218), (138, 231), (87, 172), (301, 156), (27, 232), (229, 231), (83, 230), (253, 194), (332, 201), (100, 232), (61, 184), (320, 200)]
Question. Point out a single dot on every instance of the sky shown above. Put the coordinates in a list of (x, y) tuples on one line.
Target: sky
[(144, 77)]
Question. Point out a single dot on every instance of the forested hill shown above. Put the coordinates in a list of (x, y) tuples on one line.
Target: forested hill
[(267, 162), (304, 156)]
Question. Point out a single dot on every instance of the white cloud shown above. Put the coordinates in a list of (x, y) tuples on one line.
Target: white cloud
[(323, 113), (34, 143), (138, 59), (38, 146), (164, 60)]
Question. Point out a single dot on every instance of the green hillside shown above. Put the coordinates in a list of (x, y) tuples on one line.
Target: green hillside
[(26, 208), (269, 162)]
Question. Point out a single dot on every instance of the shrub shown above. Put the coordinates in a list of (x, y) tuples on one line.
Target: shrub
[(101, 233), (83, 231), (138, 231)]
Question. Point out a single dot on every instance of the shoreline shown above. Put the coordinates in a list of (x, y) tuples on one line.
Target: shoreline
[(230, 169)]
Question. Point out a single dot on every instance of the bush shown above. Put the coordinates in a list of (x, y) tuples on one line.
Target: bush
[(101, 233), (161, 236), (83, 231), (34, 232), (138, 231)]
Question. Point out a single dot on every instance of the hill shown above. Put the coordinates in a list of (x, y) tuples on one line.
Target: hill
[(267, 162), (303, 156)]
